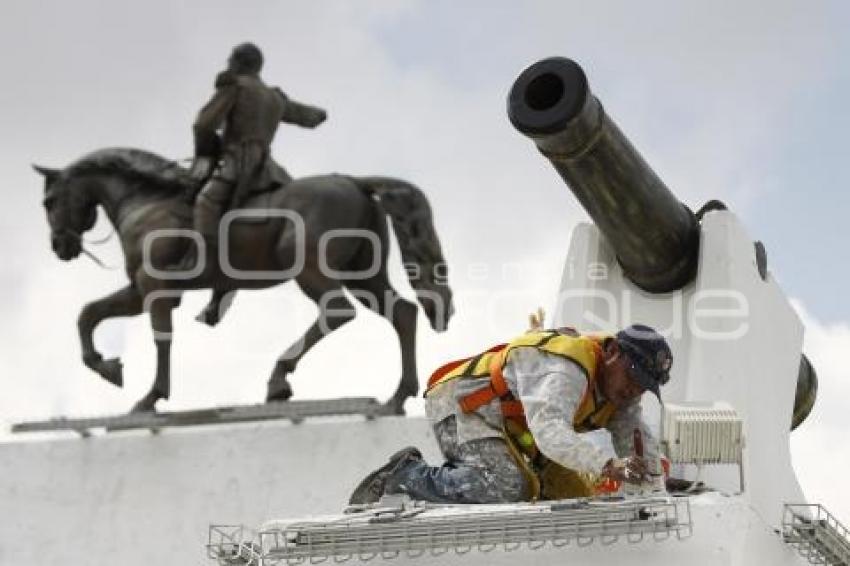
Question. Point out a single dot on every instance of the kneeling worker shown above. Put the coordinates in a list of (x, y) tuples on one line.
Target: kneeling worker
[(510, 421)]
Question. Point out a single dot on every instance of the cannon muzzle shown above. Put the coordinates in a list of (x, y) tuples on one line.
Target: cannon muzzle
[(655, 237)]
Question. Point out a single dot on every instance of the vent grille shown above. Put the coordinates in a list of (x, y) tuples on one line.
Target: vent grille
[(702, 434)]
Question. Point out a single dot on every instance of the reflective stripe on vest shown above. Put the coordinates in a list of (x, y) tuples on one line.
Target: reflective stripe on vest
[(583, 350)]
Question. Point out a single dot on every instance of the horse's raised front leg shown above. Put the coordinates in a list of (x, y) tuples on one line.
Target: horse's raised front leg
[(160, 313), (334, 310), (220, 302), (124, 302)]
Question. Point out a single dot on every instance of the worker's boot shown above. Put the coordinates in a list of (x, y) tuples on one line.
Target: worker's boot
[(372, 487)]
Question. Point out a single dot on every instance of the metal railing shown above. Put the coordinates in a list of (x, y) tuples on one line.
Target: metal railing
[(816, 534), (413, 529)]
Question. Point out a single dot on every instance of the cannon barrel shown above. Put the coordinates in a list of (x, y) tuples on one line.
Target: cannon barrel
[(655, 237)]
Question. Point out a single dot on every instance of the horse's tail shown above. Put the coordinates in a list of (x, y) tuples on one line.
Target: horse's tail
[(410, 213)]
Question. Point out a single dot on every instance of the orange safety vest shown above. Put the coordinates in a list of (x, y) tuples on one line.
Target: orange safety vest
[(586, 351)]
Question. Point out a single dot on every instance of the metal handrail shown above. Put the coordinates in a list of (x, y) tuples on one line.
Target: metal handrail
[(817, 535)]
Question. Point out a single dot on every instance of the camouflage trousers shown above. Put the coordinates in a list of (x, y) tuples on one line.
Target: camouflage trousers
[(478, 471)]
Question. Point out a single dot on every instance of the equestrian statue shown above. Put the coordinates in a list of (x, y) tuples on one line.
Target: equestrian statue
[(237, 220)]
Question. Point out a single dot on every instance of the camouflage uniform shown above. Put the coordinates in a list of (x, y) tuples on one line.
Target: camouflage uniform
[(477, 471), (479, 467)]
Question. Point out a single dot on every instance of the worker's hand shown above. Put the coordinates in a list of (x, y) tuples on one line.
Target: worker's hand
[(633, 469)]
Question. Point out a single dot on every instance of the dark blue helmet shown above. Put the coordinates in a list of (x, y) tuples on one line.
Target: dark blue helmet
[(649, 354)]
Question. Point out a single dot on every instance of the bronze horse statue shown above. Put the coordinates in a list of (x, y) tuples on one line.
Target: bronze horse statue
[(328, 233)]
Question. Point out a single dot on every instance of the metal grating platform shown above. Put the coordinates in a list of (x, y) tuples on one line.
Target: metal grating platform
[(412, 529), (295, 411), (817, 535)]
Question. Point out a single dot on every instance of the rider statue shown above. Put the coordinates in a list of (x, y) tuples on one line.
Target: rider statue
[(237, 161)]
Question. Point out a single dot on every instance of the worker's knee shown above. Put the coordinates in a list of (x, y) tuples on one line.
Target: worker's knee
[(503, 484), (501, 480)]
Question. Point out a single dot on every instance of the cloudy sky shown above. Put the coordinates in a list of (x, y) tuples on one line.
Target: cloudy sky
[(741, 102)]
